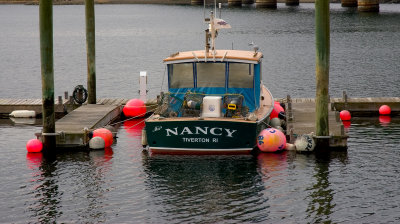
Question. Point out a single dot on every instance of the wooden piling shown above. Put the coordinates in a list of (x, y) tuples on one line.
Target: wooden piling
[(368, 5), (271, 4), (90, 50), (349, 3), (322, 69), (247, 2), (47, 72), (292, 2), (196, 2), (234, 3)]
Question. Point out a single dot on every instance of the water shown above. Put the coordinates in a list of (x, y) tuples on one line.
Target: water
[(124, 184)]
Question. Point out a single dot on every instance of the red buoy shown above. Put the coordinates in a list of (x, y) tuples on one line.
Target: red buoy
[(134, 108), (277, 109), (384, 110), (345, 115), (104, 134), (34, 145)]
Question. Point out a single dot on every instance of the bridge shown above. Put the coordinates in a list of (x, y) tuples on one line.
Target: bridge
[(362, 5)]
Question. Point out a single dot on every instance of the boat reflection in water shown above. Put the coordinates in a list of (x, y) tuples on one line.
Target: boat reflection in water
[(252, 188), (215, 188)]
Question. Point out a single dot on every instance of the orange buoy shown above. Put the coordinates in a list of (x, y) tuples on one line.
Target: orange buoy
[(271, 140), (345, 115), (34, 145), (134, 108), (105, 134), (384, 110)]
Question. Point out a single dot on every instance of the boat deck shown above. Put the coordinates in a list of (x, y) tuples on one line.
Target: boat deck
[(267, 103)]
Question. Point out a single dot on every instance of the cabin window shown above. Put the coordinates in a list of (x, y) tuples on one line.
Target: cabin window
[(210, 74), (181, 75), (241, 75)]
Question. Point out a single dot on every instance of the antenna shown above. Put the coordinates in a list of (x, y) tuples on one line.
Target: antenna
[(219, 6), (204, 10), (215, 6)]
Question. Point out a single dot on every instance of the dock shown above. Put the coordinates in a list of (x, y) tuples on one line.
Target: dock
[(9, 105), (300, 119), (360, 107), (61, 106), (73, 129), (76, 121)]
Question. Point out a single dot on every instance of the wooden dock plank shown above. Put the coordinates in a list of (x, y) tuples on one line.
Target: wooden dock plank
[(367, 106), (303, 122), (85, 116), (91, 116), (100, 101)]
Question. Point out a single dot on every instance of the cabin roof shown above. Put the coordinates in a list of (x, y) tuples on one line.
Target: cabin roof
[(221, 55)]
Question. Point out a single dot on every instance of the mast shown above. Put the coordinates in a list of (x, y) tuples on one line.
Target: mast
[(214, 24), (207, 41), (213, 32), (210, 34)]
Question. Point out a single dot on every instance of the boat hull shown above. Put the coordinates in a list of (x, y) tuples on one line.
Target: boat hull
[(182, 136)]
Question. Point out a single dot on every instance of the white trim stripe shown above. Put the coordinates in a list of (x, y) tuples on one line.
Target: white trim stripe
[(201, 149)]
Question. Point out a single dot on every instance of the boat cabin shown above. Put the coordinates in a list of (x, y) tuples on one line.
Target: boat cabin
[(231, 76)]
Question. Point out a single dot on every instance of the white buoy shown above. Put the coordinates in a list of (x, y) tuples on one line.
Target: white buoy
[(305, 143), (275, 122), (97, 143), (23, 113)]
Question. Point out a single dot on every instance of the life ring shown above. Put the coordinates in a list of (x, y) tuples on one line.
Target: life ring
[(80, 94)]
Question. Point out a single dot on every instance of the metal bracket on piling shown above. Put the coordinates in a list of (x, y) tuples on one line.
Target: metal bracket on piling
[(291, 135), (62, 136), (85, 139), (60, 100), (50, 134), (289, 108), (337, 116), (345, 98)]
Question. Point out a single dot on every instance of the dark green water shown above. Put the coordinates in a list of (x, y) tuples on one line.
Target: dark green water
[(123, 184)]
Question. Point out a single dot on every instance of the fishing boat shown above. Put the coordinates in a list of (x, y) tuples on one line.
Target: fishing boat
[(216, 102)]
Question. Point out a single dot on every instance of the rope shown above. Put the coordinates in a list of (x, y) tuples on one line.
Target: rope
[(136, 124), (130, 118)]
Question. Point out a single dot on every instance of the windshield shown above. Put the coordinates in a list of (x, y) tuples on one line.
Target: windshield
[(211, 74), (181, 75), (241, 75)]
